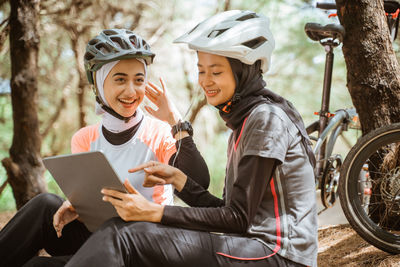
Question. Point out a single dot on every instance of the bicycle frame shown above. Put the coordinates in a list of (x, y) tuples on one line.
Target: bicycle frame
[(335, 125), (333, 129), (329, 124), (324, 114)]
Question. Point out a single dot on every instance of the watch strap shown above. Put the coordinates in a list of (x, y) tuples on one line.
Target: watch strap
[(182, 126)]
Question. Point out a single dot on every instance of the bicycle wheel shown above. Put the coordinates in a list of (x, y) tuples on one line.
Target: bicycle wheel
[(369, 188)]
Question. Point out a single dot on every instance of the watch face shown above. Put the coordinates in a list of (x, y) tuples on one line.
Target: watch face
[(182, 126), (186, 126)]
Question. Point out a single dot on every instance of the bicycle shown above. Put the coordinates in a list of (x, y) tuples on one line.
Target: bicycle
[(329, 126), (369, 182)]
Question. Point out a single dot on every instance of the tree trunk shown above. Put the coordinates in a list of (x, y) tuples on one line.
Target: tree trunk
[(372, 69), (372, 79), (24, 166)]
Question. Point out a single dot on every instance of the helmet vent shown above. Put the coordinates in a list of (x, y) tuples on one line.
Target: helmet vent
[(253, 44), (248, 16), (192, 30), (133, 40), (93, 41), (216, 33), (110, 32), (104, 48), (119, 42), (145, 45), (88, 56)]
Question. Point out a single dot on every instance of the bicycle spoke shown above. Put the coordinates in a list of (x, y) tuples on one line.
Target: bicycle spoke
[(373, 165), (376, 172)]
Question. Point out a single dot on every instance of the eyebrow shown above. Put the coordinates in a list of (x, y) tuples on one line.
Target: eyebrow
[(212, 65), (124, 74)]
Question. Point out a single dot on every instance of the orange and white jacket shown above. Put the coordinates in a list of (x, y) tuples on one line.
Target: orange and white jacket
[(152, 141)]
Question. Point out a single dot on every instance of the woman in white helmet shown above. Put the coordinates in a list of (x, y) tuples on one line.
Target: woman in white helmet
[(267, 216), (116, 63)]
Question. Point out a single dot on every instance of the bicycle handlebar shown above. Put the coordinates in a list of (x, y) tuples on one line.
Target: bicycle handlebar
[(326, 5)]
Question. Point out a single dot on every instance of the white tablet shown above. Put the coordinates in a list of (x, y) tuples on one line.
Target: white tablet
[(81, 177)]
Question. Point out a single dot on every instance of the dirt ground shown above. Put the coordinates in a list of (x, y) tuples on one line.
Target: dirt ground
[(341, 246), (338, 246)]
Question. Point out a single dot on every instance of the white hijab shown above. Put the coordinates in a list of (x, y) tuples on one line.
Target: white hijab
[(110, 122)]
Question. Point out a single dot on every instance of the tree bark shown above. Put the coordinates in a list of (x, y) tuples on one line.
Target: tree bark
[(4, 32), (227, 5), (372, 68), (24, 166)]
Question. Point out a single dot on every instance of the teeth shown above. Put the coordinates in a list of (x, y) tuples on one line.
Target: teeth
[(126, 101), (212, 91)]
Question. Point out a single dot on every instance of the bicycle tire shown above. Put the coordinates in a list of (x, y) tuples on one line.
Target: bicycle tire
[(352, 192)]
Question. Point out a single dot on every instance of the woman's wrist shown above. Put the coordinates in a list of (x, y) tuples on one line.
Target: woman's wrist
[(173, 119), (180, 181), (181, 129), (180, 135), (157, 212)]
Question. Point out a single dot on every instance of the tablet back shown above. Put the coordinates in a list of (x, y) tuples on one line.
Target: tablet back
[(81, 176)]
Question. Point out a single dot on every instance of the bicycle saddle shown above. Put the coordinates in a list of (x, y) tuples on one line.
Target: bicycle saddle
[(317, 32), (391, 6)]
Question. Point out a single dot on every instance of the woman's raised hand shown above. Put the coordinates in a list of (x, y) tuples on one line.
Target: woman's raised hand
[(166, 109), (157, 173)]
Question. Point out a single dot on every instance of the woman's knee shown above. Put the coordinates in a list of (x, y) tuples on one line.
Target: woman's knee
[(115, 222), (117, 225), (145, 227), (46, 201)]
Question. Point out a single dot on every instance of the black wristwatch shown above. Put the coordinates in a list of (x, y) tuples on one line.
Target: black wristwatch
[(182, 126)]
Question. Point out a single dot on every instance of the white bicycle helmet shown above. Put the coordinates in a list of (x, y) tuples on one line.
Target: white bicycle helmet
[(243, 35)]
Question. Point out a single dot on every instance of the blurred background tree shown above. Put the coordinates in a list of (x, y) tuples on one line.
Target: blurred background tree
[(65, 102), (24, 166)]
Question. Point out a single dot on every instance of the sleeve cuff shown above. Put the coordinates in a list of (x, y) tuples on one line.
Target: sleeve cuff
[(168, 215), (185, 192), (185, 140)]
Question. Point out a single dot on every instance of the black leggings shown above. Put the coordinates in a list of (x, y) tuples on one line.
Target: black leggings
[(119, 243), (31, 229)]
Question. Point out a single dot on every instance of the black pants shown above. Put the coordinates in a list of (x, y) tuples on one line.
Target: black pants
[(119, 243), (31, 229)]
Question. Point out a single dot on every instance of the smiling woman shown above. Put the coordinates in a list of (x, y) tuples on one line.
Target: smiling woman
[(216, 78), (124, 86)]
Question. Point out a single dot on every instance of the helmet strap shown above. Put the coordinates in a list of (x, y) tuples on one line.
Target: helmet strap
[(111, 111)]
